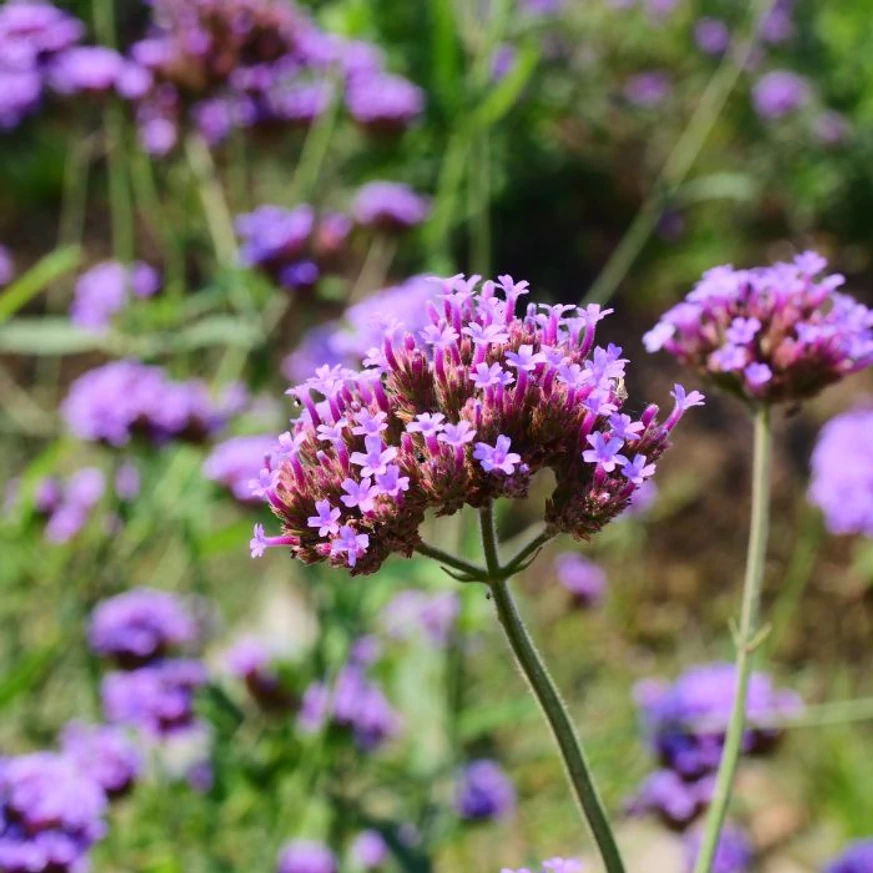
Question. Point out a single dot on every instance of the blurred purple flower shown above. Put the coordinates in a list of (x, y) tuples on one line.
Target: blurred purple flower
[(104, 754), (649, 89), (841, 484), (306, 856), (238, 461), (7, 267), (484, 791), (140, 625), (369, 850), (830, 128), (389, 206), (734, 853), (712, 36), (85, 69), (857, 857), (383, 103), (585, 580), (779, 93), (104, 290), (413, 613)]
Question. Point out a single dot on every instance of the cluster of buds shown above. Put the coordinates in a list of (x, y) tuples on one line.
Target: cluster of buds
[(461, 412), (771, 334), (230, 64)]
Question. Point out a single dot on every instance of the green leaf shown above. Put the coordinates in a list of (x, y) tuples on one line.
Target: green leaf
[(505, 94), (47, 270), (217, 330), (28, 673), (51, 335)]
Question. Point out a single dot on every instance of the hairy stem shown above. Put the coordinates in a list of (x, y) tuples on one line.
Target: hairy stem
[(549, 698), (450, 561), (746, 638)]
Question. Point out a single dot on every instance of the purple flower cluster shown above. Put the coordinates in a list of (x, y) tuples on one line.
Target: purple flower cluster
[(584, 579), (151, 692), (779, 93), (251, 660), (236, 462), (104, 754), (857, 857), (51, 813), (32, 34), (771, 334), (228, 64), (412, 614), (648, 89), (105, 290), (291, 245), (685, 726), (306, 856), (369, 850), (552, 865), (354, 703), (459, 413), (484, 792), (363, 327), (733, 854), (842, 473), (389, 206), (122, 399), (68, 505), (139, 626)]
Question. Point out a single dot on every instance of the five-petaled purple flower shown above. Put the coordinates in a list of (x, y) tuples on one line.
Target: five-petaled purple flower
[(497, 457)]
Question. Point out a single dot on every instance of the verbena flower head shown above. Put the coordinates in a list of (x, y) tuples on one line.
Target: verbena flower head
[(306, 856), (685, 722), (712, 35), (771, 334), (459, 413), (104, 754), (857, 857), (86, 70), (648, 89), (734, 853), (585, 580), (51, 813), (236, 464), (412, 614), (842, 473), (157, 699), (552, 865), (389, 206), (383, 103), (139, 626), (104, 290), (116, 401), (484, 791), (675, 800), (779, 93), (355, 703), (69, 504), (369, 850)]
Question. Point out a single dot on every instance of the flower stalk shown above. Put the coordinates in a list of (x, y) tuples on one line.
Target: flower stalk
[(546, 692), (748, 637)]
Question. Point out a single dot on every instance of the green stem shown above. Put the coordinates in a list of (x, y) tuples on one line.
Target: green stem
[(450, 560), (747, 638), (544, 689)]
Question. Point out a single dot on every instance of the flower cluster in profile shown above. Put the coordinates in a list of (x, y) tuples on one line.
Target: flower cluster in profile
[(51, 814), (224, 65), (120, 400), (842, 472), (67, 505), (106, 289), (685, 726), (484, 792), (153, 691), (770, 334), (461, 412), (389, 206), (105, 754), (251, 660)]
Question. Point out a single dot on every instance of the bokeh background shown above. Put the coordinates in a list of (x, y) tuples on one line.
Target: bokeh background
[(606, 150)]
